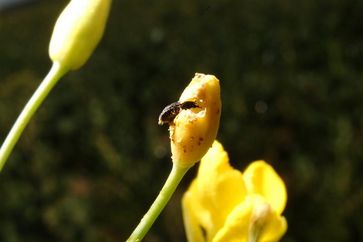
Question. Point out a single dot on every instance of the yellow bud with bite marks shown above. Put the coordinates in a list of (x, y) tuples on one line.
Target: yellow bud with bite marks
[(194, 129)]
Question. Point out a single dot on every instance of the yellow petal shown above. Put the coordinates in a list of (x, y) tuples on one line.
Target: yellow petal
[(215, 192), (236, 226), (77, 32), (265, 224), (252, 216), (261, 178), (275, 229), (194, 130), (220, 186), (193, 226)]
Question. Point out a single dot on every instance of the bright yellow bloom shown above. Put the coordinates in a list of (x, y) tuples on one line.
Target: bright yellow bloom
[(225, 205), (194, 129), (77, 32)]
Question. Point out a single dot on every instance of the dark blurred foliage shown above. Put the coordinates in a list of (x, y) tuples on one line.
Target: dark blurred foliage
[(93, 159)]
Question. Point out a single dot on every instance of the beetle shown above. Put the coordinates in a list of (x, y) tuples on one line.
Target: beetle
[(169, 113)]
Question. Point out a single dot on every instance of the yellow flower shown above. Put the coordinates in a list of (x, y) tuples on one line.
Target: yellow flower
[(77, 32), (193, 130), (225, 205)]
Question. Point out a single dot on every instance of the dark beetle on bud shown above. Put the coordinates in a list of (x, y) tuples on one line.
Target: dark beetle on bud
[(169, 113)]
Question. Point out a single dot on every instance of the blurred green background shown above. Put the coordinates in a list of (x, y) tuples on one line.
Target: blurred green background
[(93, 159)]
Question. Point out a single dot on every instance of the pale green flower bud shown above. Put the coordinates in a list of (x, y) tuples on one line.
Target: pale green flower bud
[(77, 32)]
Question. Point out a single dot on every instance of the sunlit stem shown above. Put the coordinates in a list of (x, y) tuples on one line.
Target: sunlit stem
[(160, 202), (55, 73)]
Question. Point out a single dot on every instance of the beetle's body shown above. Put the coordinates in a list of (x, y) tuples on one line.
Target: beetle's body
[(169, 113)]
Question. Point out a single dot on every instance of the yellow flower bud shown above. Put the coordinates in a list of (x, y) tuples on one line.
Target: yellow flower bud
[(77, 32), (194, 129)]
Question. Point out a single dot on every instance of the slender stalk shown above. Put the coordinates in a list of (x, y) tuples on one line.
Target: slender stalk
[(55, 73), (160, 202)]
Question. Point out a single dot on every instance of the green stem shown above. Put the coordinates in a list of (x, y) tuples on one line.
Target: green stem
[(160, 202), (55, 73)]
